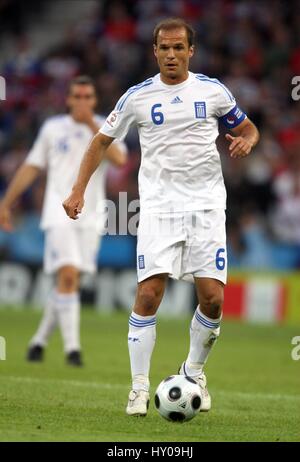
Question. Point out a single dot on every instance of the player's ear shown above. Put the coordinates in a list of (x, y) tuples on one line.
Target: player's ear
[(191, 51), (155, 50)]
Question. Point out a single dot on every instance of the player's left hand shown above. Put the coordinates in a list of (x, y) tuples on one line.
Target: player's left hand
[(239, 146)]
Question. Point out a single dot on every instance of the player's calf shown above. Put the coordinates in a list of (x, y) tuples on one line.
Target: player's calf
[(204, 331)]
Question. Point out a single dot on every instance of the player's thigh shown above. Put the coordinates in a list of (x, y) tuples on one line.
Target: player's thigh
[(149, 294), (61, 249), (210, 294), (159, 245), (208, 259)]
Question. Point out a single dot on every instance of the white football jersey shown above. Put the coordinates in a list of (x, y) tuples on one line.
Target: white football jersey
[(178, 125), (59, 149)]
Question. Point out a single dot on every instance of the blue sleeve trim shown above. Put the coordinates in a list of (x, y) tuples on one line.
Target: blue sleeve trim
[(233, 118), (204, 78)]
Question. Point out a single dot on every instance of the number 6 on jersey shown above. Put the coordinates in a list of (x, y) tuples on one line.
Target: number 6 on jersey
[(157, 117)]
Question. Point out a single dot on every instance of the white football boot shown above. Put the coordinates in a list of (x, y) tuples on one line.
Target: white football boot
[(201, 380), (138, 403)]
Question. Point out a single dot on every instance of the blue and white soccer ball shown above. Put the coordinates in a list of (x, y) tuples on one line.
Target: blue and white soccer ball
[(178, 398)]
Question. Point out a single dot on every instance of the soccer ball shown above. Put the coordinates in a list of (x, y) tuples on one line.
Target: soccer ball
[(178, 398)]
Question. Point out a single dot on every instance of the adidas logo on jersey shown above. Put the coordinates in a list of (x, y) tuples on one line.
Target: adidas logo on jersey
[(176, 100)]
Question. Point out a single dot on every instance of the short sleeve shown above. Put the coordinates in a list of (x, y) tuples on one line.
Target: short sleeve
[(38, 154), (120, 119), (227, 111)]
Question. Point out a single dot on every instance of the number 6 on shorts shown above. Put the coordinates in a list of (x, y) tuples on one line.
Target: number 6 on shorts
[(220, 261)]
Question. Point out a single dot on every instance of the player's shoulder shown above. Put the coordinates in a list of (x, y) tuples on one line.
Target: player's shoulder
[(141, 85), (214, 85), (132, 92)]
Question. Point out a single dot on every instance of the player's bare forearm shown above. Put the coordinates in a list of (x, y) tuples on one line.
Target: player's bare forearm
[(23, 178), (90, 162), (245, 137), (114, 153), (248, 131)]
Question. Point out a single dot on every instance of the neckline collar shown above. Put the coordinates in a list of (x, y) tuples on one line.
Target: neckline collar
[(177, 85)]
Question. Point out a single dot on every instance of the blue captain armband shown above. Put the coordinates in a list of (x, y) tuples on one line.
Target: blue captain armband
[(233, 118)]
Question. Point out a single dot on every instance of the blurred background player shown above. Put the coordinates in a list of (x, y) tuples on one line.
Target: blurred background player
[(182, 194), (70, 247)]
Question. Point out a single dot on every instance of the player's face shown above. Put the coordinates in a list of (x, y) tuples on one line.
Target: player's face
[(173, 54), (81, 97)]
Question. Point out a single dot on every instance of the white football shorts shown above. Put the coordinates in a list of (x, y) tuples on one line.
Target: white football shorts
[(184, 245), (72, 246)]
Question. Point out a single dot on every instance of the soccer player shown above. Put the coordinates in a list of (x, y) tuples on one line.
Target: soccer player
[(70, 247), (181, 190)]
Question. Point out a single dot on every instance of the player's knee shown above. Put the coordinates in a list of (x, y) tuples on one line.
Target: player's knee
[(148, 299), (212, 303), (67, 280)]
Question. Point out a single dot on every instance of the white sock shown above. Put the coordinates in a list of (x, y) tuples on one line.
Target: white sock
[(141, 341), (47, 324), (204, 332), (68, 313)]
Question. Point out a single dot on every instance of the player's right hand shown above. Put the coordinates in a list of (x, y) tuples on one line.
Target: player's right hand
[(73, 205), (5, 218)]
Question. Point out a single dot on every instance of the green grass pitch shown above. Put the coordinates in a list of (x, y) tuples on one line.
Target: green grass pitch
[(255, 385)]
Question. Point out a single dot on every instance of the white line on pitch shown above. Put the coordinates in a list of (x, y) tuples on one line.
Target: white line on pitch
[(73, 383), (109, 386)]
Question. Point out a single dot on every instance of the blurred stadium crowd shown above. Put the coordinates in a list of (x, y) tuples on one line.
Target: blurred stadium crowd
[(252, 46)]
